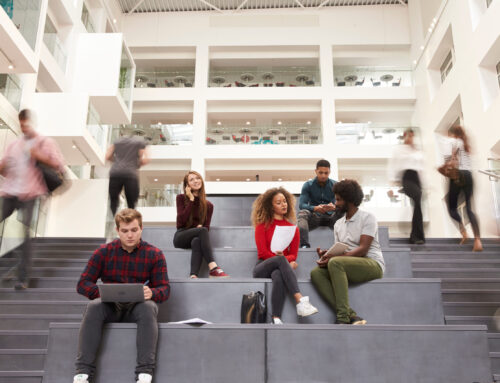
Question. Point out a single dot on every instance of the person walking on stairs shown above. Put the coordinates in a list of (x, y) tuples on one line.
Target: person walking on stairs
[(194, 213), (127, 154), (405, 169), (127, 259), (363, 260), (24, 184), (458, 168), (317, 203), (276, 208)]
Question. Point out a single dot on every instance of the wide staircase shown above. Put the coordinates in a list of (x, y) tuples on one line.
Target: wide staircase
[(421, 328)]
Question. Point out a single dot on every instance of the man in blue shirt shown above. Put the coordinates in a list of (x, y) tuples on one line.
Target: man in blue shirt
[(317, 203)]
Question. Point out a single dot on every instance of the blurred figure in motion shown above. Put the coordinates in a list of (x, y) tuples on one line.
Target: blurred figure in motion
[(405, 169), (128, 154), (457, 167), (24, 183)]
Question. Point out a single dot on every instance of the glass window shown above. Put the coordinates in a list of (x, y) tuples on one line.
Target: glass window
[(498, 73), (54, 43), (87, 20), (446, 66), (488, 2)]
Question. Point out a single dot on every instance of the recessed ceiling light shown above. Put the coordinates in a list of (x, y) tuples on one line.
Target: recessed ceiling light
[(430, 29), (11, 66), (434, 19), (74, 146), (308, 122), (114, 21), (414, 61), (279, 122), (369, 122), (217, 179), (189, 122), (280, 179), (219, 123), (248, 122), (159, 122), (248, 179), (87, 163), (374, 179), (156, 179), (340, 122), (421, 47)]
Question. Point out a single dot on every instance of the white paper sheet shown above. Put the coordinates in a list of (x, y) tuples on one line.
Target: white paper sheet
[(192, 321), (282, 237)]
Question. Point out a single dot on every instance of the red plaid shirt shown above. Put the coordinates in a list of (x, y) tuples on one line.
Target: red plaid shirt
[(112, 264)]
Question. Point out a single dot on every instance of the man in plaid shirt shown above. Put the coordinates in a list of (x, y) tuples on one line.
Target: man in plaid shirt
[(128, 259)]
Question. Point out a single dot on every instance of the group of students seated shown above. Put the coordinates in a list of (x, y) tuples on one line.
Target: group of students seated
[(129, 259)]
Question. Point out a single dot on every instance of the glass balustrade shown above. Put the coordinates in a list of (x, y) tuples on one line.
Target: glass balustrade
[(25, 15), (54, 44), (158, 134), (264, 77), (165, 78), (235, 133), (99, 131), (87, 19), (161, 196), (361, 76), (10, 87), (125, 81), (371, 134)]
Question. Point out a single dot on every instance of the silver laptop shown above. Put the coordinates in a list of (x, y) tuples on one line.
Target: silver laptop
[(121, 292)]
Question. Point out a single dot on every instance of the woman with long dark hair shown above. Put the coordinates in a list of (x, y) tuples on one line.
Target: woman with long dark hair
[(462, 182), (194, 213), (276, 207)]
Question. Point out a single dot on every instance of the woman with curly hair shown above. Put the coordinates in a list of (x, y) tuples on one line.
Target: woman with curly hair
[(276, 207), (363, 260), (194, 213)]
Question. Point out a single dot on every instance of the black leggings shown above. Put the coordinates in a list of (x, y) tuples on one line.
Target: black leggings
[(198, 240), (466, 186), (413, 189), (279, 270), (116, 184)]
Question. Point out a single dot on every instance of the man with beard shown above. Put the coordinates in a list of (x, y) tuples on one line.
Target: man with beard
[(361, 262)]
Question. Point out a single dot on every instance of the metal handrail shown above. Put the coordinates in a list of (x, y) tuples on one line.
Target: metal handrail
[(491, 174)]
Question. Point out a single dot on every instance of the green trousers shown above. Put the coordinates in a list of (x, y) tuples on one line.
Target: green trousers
[(332, 282)]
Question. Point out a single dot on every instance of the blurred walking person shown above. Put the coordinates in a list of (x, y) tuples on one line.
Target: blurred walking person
[(405, 169), (457, 167), (128, 154), (24, 183)]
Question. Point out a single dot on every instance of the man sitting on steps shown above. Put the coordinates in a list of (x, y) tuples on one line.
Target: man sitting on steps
[(127, 259)]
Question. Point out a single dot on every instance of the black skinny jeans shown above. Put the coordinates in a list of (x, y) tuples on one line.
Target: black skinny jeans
[(466, 185), (198, 240), (116, 184), (413, 189), (279, 270)]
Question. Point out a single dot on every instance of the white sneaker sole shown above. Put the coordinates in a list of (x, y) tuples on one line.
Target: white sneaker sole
[(308, 314), (359, 323)]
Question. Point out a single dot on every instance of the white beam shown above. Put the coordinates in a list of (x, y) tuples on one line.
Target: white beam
[(135, 6), (299, 3), (211, 6), (241, 5), (402, 2), (323, 3)]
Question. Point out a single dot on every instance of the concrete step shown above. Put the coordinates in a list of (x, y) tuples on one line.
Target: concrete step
[(494, 341), (399, 301), (488, 321), (495, 362), (58, 240), (22, 376), (469, 264), (445, 242), (34, 321), (46, 282), (454, 273), (244, 237), (448, 255), (238, 263), (470, 308), (449, 353), (470, 295), (22, 359), (471, 283), (23, 339)]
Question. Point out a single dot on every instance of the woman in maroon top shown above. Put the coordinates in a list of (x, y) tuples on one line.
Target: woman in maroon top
[(194, 213), (276, 207)]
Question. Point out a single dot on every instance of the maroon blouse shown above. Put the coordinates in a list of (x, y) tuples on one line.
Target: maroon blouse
[(184, 208)]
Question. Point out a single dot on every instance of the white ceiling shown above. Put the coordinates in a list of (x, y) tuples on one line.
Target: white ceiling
[(142, 6)]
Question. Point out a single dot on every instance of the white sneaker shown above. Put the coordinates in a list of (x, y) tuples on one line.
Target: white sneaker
[(304, 308), (145, 378), (81, 378), (277, 321)]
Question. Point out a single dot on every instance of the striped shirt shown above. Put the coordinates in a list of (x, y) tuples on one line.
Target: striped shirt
[(112, 264), (464, 158)]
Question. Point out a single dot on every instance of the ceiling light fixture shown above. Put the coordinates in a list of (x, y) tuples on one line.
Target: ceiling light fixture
[(279, 122), (248, 179), (219, 123), (414, 61), (248, 122), (217, 179), (280, 179), (308, 122), (114, 21), (11, 66), (74, 146), (421, 47), (156, 179), (430, 29)]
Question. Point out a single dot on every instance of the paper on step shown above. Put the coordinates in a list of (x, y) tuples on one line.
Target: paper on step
[(282, 237), (192, 321)]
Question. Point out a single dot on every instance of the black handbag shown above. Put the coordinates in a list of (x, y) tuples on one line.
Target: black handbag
[(254, 308), (53, 179)]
